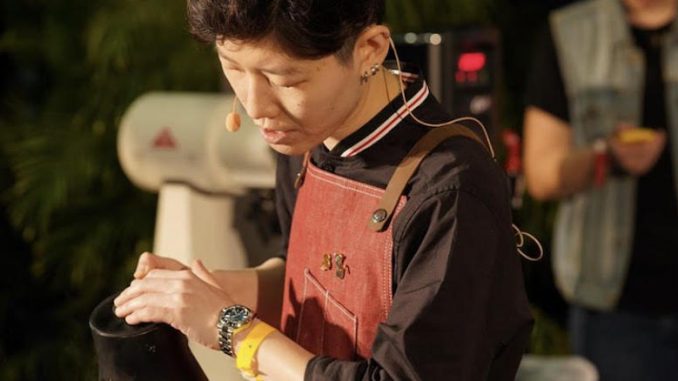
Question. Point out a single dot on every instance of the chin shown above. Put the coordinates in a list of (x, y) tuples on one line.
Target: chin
[(290, 150)]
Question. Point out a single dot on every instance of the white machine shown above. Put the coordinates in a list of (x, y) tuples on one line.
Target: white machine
[(176, 144)]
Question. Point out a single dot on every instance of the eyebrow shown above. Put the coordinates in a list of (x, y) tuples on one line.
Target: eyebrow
[(274, 71)]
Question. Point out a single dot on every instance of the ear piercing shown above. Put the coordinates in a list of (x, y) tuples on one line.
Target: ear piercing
[(369, 73)]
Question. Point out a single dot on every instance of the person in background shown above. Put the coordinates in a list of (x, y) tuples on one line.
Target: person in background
[(420, 283), (601, 136)]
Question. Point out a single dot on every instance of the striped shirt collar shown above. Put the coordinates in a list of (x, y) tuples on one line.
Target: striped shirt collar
[(389, 117)]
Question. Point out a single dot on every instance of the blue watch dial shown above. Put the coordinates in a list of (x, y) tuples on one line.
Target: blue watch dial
[(237, 315)]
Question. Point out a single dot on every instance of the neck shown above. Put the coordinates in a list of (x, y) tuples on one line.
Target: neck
[(650, 14), (380, 91)]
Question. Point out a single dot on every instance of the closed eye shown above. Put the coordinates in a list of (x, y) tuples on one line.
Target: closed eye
[(233, 69), (288, 85)]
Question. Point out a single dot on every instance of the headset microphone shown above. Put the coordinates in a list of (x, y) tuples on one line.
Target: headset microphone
[(233, 117)]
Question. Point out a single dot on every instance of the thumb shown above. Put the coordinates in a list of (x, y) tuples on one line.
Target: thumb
[(149, 261), (145, 264), (203, 273)]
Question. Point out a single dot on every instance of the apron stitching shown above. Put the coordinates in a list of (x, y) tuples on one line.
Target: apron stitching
[(388, 254), (388, 258), (301, 312), (322, 331), (357, 190), (341, 307), (364, 189)]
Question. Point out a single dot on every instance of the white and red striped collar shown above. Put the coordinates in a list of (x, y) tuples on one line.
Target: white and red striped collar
[(416, 93)]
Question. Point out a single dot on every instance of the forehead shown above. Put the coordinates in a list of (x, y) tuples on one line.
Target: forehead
[(267, 54), (266, 45), (263, 52)]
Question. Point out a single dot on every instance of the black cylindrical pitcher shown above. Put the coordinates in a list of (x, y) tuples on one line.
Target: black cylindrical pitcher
[(142, 352)]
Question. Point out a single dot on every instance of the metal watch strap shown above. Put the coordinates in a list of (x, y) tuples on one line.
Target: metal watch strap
[(227, 326)]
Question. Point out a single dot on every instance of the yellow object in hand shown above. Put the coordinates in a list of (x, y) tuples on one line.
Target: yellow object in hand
[(636, 135)]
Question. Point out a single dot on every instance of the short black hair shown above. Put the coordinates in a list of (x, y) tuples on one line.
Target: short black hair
[(304, 28)]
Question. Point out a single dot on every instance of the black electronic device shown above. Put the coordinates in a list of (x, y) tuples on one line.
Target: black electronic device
[(462, 68)]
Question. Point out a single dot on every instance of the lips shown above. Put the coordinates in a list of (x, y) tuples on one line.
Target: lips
[(274, 136)]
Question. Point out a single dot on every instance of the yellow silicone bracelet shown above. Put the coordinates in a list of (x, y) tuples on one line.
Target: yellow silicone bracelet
[(249, 346)]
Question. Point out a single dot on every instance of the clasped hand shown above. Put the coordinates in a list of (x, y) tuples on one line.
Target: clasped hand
[(637, 158), (166, 291)]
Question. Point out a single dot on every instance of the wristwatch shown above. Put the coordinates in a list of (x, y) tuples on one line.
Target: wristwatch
[(231, 320)]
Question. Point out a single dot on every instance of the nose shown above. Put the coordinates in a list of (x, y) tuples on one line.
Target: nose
[(260, 101)]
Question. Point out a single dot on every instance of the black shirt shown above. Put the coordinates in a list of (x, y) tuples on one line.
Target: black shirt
[(459, 307), (652, 282)]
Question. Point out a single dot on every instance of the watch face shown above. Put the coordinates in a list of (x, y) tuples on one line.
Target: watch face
[(237, 315)]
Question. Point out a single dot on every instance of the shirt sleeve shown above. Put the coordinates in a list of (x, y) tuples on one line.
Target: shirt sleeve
[(458, 312), (545, 86)]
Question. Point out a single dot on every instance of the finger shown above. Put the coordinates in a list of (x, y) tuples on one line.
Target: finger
[(152, 301), (203, 273), (157, 315), (125, 295), (144, 264), (166, 282), (147, 315), (183, 274), (148, 261), (150, 284)]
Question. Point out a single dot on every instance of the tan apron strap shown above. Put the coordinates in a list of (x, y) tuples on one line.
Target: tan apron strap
[(382, 214)]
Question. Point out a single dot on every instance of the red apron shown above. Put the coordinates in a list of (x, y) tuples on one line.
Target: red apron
[(338, 272), (339, 268)]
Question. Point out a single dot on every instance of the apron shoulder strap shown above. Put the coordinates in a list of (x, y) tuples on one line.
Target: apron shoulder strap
[(384, 211)]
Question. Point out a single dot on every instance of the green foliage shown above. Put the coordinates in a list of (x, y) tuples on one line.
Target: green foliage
[(431, 15), (78, 65)]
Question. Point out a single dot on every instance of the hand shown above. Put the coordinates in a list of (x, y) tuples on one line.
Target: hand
[(637, 158), (148, 261), (189, 300)]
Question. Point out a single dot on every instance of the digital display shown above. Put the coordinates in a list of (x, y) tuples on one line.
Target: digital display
[(471, 68), (471, 61)]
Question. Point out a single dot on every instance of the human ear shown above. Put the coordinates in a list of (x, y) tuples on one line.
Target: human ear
[(372, 46)]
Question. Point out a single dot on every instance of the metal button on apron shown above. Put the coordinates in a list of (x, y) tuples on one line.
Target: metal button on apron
[(379, 215)]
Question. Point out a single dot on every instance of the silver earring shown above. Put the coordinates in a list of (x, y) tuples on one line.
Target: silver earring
[(364, 77), (371, 73)]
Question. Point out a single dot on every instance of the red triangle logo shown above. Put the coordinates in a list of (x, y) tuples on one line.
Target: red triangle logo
[(165, 140)]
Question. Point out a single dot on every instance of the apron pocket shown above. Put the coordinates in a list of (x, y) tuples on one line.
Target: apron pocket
[(326, 327)]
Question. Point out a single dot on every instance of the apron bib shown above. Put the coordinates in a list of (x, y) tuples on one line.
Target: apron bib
[(338, 273)]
